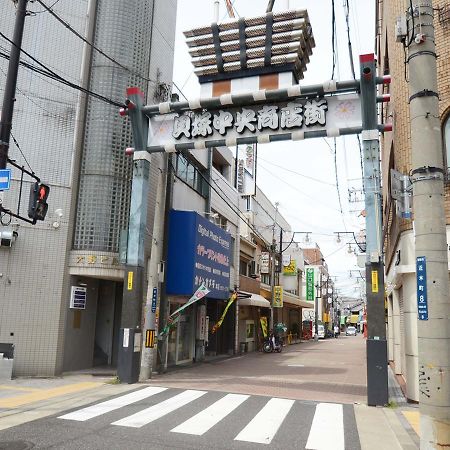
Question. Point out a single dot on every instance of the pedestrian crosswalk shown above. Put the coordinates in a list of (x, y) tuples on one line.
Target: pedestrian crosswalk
[(260, 421)]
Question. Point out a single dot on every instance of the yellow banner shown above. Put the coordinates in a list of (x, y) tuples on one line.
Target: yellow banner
[(263, 322), (130, 281), (374, 281), (219, 323), (277, 301), (291, 269)]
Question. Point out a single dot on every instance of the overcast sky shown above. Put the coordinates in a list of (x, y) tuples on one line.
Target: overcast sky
[(301, 176)]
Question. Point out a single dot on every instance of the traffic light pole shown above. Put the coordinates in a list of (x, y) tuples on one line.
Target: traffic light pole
[(427, 178), (11, 82), (130, 337), (376, 345)]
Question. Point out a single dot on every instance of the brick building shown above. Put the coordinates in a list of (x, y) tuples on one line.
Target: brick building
[(396, 154)]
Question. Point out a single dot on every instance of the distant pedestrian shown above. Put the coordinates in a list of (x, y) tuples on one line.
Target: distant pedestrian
[(336, 331)]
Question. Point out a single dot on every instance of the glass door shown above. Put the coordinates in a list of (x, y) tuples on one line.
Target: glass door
[(185, 336)]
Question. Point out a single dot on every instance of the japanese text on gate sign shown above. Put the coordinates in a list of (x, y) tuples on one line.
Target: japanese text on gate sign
[(422, 300), (293, 115)]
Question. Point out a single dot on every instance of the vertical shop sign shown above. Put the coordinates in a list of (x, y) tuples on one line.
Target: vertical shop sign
[(310, 284)]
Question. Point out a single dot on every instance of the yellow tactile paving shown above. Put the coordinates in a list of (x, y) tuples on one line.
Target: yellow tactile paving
[(5, 387), (44, 394), (413, 417)]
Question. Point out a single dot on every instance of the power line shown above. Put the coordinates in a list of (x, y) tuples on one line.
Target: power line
[(43, 11), (297, 173), (49, 73), (337, 178), (349, 43), (21, 152), (333, 36), (72, 30)]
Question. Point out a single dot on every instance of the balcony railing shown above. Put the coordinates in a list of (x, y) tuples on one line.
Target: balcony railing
[(248, 284)]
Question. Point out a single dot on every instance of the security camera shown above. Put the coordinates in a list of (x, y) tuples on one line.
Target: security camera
[(7, 237)]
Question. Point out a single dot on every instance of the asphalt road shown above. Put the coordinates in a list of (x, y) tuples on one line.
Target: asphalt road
[(299, 399), (192, 419)]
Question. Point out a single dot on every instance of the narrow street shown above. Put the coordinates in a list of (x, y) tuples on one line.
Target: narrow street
[(330, 370), (251, 401)]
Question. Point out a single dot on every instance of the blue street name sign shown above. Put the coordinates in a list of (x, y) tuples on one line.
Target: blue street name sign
[(422, 300), (154, 297), (5, 179)]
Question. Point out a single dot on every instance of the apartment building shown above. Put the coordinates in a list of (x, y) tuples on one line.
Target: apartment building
[(396, 154), (75, 143)]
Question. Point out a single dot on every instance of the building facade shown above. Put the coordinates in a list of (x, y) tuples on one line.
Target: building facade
[(396, 154), (75, 143)]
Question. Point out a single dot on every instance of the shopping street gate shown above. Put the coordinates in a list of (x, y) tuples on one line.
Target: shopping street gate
[(296, 112), (331, 109)]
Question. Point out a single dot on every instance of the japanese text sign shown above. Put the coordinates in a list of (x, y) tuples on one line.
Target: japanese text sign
[(422, 300), (199, 253), (298, 115), (310, 284)]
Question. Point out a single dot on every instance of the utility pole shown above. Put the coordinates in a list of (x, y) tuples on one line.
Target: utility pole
[(427, 177), (150, 325), (376, 345), (316, 304), (11, 82), (130, 338)]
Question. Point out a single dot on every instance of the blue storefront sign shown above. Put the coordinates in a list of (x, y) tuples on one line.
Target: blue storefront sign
[(422, 300), (199, 252)]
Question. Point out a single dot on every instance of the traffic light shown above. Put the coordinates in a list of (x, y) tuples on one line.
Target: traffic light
[(37, 205)]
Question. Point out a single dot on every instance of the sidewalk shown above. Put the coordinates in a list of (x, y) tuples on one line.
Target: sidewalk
[(25, 399)]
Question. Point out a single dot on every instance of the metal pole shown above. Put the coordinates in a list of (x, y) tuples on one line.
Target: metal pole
[(377, 379), (316, 313), (216, 11), (430, 231), (130, 332), (11, 82)]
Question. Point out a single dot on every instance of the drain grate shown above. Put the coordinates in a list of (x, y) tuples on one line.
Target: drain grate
[(16, 445)]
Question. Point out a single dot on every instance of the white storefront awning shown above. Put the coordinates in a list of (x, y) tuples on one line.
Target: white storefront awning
[(294, 300), (254, 300)]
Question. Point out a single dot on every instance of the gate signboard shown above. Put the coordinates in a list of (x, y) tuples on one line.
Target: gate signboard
[(292, 119)]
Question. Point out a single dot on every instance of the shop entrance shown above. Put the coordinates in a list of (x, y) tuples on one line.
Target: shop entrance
[(107, 323), (181, 336)]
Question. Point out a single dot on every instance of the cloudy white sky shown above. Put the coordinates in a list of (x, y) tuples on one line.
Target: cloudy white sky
[(301, 176)]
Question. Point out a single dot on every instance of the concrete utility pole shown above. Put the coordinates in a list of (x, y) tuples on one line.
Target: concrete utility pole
[(430, 231), (11, 82), (130, 328), (377, 378), (153, 281)]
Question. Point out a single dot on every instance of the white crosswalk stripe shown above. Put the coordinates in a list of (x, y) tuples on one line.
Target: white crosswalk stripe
[(261, 429), (206, 419), (102, 408), (329, 417), (265, 424), (148, 415)]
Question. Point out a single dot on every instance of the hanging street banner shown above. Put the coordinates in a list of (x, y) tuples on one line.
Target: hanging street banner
[(277, 301), (224, 126), (265, 262), (201, 292), (222, 317), (310, 284), (422, 295)]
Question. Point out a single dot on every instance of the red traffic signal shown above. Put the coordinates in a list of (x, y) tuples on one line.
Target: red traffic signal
[(37, 204)]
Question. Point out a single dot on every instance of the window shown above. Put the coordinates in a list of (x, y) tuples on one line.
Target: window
[(190, 174), (447, 141)]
